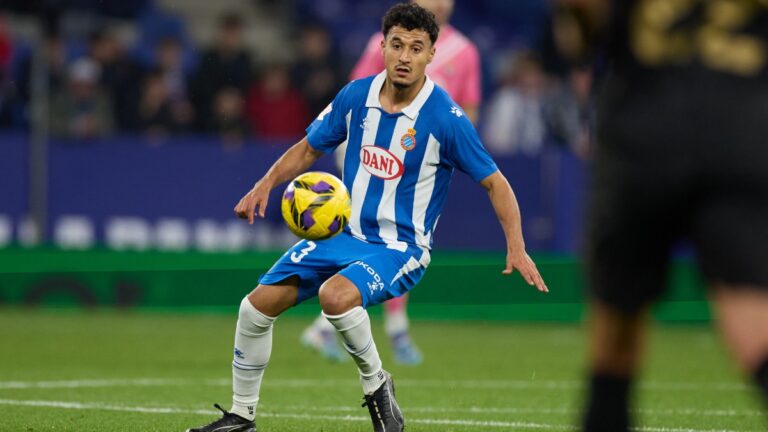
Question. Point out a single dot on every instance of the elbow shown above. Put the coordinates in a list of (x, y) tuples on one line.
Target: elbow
[(495, 181)]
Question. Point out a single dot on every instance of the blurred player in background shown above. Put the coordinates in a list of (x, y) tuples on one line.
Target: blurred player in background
[(398, 118), (681, 154), (455, 68)]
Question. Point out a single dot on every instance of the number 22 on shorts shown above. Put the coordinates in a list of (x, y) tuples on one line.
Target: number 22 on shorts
[(298, 257)]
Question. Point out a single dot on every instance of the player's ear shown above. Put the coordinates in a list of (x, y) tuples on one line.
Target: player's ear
[(431, 54)]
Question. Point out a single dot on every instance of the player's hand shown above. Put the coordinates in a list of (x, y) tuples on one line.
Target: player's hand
[(256, 198), (524, 264)]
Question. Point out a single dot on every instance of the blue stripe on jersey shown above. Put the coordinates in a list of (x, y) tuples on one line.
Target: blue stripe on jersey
[(407, 188), (376, 185), (352, 158), (442, 182)]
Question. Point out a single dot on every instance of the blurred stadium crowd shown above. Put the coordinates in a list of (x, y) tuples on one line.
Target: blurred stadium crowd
[(260, 70)]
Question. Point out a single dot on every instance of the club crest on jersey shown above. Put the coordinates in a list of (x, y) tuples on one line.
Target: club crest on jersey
[(408, 141), (379, 162)]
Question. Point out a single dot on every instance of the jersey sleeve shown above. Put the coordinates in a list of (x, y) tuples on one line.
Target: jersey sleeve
[(371, 62), (329, 129), (465, 151)]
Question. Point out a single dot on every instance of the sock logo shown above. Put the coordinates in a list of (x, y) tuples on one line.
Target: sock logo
[(250, 410), (239, 354)]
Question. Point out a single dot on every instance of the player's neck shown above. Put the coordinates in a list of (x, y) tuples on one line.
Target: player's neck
[(394, 98)]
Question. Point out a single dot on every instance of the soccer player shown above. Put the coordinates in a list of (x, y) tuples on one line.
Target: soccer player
[(405, 138), (456, 69), (681, 153)]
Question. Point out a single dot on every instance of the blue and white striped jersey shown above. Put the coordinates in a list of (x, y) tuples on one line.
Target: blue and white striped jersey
[(398, 166)]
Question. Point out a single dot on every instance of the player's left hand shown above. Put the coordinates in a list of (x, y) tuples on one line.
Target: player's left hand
[(254, 201), (524, 264)]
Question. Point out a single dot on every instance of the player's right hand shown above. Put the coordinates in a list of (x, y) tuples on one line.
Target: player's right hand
[(256, 198)]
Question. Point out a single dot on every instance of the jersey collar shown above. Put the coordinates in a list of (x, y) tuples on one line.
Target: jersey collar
[(412, 110)]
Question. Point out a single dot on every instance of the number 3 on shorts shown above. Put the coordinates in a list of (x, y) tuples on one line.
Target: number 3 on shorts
[(298, 257)]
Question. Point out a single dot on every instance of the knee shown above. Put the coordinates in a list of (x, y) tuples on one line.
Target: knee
[(337, 299), (251, 321), (272, 300)]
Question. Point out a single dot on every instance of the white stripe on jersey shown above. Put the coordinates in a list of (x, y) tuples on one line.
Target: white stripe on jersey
[(424, 188), (386, 213), (363, 177), (412, 265)]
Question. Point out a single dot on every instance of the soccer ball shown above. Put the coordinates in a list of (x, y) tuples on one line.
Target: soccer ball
[(316, 206)]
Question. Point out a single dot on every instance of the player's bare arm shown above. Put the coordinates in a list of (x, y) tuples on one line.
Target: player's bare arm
[(293, 162), (505, 204)]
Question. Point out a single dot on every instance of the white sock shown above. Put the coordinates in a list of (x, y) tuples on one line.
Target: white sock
[(322, 324), (355, 328), (395, 322), (253, 346)]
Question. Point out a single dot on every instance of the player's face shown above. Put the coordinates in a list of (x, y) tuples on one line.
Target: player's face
[(441, 8), (406, 55)]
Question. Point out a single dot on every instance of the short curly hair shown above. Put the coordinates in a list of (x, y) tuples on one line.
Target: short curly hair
[(410, 16)]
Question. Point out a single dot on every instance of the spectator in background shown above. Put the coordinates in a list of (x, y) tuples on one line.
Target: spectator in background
[(315, 72), (569, 111), (228, 119), (120, 77), (155, 112), (55, 57), (82, 109), (169, 61), (514, 117), (276, 110), (227, 64)]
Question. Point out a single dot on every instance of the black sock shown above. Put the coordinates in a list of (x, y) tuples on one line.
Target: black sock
[(608, 404), (761, 377)]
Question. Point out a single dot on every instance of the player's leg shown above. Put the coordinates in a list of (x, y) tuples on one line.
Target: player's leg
[(342, 304), (373, 275), (396, 326), (253, 347), (253, 340), (617, 316), (296, 276), (732, 239), (629, 235), (616, 344), (742, 314)]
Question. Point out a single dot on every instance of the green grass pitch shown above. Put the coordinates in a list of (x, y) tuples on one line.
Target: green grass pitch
[(140, 371)]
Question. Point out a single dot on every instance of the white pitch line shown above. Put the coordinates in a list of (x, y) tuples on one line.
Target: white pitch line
[(472, 384), (120, 382), (347, 418), (95, 383), (514, 410), (166, 410), (158, 382)]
